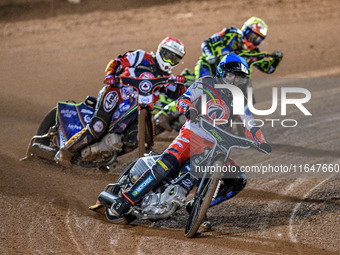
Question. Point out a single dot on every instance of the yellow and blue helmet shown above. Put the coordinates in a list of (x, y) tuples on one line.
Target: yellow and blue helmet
[(254, 32)]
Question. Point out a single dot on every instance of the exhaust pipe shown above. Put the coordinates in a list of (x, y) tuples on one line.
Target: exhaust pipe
[(106, 199)]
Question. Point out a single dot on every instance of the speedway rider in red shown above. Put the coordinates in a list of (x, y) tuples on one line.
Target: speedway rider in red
[(192, 140), (136, 64)]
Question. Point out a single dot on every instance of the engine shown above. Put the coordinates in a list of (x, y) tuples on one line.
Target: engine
[(162, 203), (103, 148)]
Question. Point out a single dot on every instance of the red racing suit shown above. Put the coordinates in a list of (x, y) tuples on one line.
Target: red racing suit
[(192, 139), (216, 109)]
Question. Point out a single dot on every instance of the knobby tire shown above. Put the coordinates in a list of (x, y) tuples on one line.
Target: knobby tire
[(47, 122), (202, 203), (142, 131)]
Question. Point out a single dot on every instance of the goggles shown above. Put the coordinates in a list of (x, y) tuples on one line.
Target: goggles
[(235, 79), (254, 38), (169, 57)]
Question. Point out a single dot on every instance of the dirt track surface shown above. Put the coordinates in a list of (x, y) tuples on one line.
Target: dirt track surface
[(57, 51)]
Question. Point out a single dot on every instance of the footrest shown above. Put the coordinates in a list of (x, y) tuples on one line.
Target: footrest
[(96, 207)]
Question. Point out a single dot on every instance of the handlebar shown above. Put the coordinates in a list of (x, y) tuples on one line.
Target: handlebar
[(261, 54), (124, 80), (162, 80), (144, 88), (264, 147)]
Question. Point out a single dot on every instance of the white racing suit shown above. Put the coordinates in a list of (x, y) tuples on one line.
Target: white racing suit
[(116, 109)]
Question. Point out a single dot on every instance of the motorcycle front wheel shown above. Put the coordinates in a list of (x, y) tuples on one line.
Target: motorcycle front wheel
[(145, 132), (202, 201)]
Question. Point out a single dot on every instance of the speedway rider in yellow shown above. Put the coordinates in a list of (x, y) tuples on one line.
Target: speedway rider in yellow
[(242, 42)]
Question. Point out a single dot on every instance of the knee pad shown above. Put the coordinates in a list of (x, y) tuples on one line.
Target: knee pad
[(230, 187), (239, 183), (165, 167), (234, 185), (236, 181)]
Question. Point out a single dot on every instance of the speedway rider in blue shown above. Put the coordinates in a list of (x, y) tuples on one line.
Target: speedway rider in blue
[(191, 140)]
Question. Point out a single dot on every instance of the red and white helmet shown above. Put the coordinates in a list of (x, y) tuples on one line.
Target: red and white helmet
[(169, 53)]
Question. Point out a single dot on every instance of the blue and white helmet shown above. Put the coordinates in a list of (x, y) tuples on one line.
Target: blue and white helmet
[(233, 69), (234, 64)]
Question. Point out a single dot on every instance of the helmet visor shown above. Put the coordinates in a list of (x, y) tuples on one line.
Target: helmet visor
[(235, 79), (254, 38), (169, 57), (234, 68)]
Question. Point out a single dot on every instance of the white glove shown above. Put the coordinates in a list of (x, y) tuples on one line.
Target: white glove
[(211, 59)]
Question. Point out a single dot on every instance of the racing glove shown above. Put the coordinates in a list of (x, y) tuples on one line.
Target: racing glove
[(110, 79), (191, 113), (211, 59), (180, 78), (277, 54)]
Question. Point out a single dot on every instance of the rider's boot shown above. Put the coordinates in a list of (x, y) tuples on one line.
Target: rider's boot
[(206, 224), (63, 157)]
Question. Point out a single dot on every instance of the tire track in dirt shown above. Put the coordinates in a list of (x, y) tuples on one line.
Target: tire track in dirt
[(320, 205)]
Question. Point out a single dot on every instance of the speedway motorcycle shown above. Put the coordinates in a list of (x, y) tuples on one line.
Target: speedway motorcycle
[(69, 118), (167, 199)]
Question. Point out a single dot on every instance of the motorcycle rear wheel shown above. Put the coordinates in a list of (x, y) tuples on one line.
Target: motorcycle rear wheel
[(47, 122), (202, 202)]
